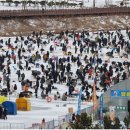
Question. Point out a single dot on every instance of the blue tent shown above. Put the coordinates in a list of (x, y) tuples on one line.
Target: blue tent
[(11, 107)]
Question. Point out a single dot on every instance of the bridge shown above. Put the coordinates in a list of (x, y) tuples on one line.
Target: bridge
[(64, 12)]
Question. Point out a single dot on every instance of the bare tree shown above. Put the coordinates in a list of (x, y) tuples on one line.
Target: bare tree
[(3, 2), (9, 2), (106, 3), (24, 3), (93, 3)]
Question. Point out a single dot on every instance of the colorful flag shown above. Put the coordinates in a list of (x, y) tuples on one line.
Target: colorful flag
[(94, 98), (79, 102), (101, 110), (112, 112)]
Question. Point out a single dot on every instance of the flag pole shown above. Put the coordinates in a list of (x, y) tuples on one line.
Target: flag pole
[(93, 113), (93, 105), (94, 97)]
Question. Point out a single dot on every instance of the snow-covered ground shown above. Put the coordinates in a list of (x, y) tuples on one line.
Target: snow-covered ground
[(41, 108), (86, 4)]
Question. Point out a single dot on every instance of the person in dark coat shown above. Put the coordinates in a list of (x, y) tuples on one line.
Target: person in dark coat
[(73, 117), (8, 70), (21, 67), (37, 83), (42, 67), (49, 87), (5, 113), (42, 80), (22, 76), (1, 111), (68, 68), (68, 59), (19, 54), (15, 87), (19, 74), (26, 64), (76, 49), (124, 76), (8, 84), (36, 91)]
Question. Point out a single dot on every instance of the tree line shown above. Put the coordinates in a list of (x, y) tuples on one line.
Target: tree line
[(42, 3), (84, 121)]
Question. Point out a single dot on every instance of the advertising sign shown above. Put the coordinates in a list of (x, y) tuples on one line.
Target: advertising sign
[(120, 93), (79, 102)]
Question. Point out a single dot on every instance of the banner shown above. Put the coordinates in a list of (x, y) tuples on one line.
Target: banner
[(112, 112), (120, 93), (94, 98), (101, 110), (79, 102)]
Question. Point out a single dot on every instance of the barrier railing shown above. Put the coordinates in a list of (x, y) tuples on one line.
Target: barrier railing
[(39, 12), (61, 119), (6, 125)]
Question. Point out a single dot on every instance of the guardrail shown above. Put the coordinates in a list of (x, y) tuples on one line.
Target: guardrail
[(61, 119), (6, 125), (64, 12), (48, 125)]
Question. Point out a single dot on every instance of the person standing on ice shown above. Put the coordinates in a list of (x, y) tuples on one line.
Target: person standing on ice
[(76, 49), (14, 58), (8, 70), (26, 64), (36, 91), (42, 126), (5, 113), (19, 54), (8, 83), (19, 74)]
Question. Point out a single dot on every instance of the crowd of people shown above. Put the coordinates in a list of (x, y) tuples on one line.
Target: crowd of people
[(70, 58)]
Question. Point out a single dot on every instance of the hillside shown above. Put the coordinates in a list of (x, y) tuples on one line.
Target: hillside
[(10, 27)]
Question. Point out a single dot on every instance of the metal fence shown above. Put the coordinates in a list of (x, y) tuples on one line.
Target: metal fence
[(65, 12), (66, 118), (6, 125), (49, 125), (61, 119)]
